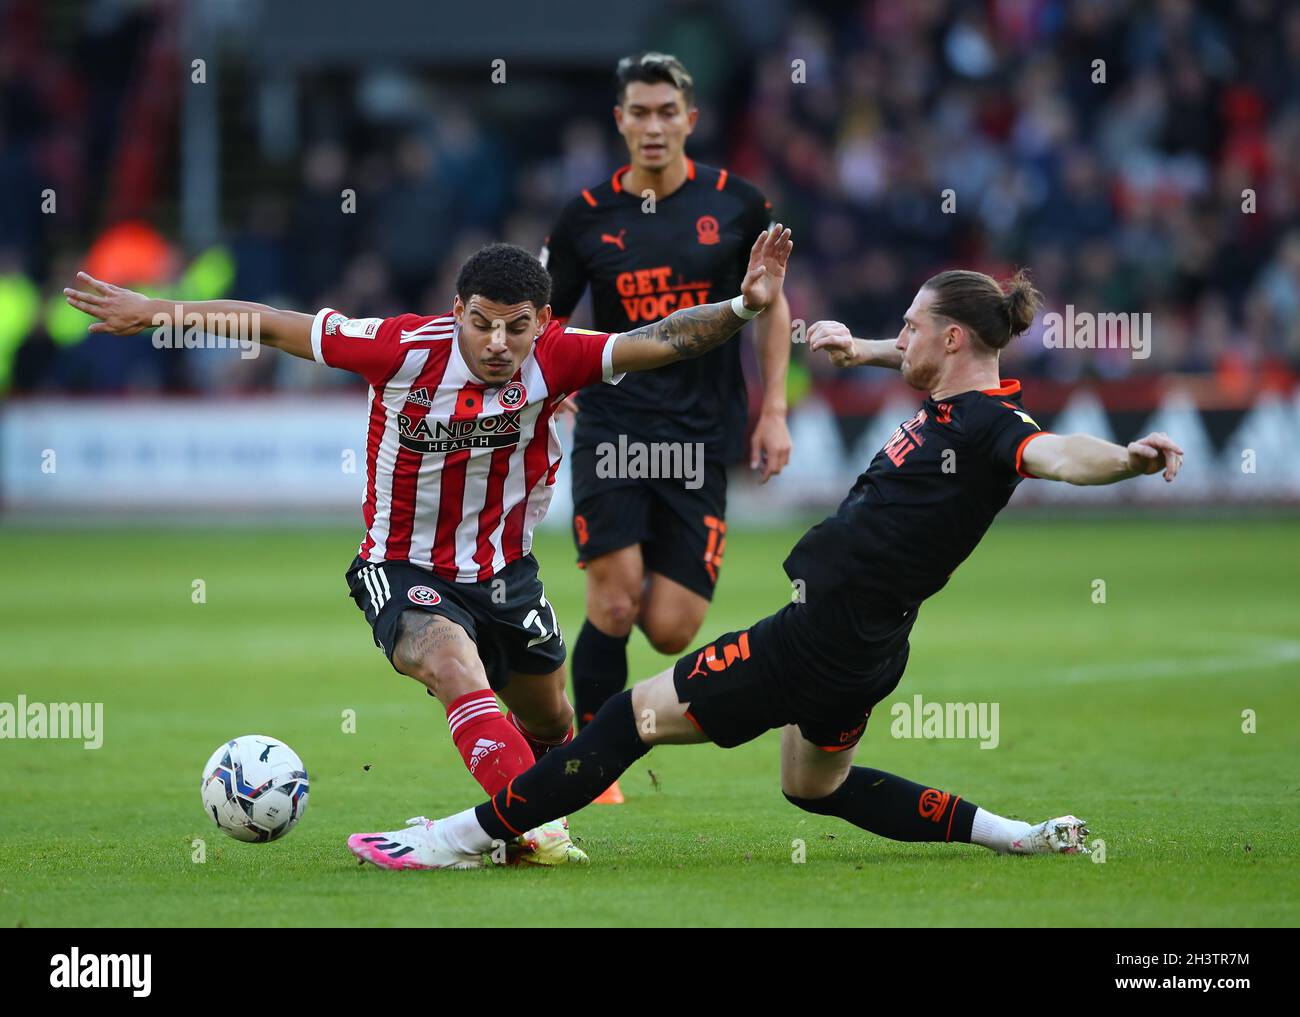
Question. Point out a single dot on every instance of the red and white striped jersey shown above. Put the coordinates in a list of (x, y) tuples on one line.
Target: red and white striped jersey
[(458, 472)]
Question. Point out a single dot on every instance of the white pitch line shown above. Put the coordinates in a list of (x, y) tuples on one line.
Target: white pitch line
[(1256, 657)]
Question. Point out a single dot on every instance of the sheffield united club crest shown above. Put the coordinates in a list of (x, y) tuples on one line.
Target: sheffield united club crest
[(513, 396)]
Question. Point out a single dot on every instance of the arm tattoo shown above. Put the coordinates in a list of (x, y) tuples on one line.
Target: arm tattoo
[(692, 331)]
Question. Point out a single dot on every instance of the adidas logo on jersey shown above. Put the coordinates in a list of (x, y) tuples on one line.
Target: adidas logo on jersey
[(482, 749), (420, 397)]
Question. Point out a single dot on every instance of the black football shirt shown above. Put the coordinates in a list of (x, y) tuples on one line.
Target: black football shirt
[(923, 504), (641, 266)]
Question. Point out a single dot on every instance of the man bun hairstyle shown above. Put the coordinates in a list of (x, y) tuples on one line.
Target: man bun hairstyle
[(504, 274), (995, 312), (653, 68)]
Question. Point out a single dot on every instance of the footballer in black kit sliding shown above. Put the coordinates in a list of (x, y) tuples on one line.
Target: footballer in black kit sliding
[(818, 665), (661, 233), (923, 504)]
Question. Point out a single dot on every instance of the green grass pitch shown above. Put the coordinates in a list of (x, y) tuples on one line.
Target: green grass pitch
[(1128, 713)]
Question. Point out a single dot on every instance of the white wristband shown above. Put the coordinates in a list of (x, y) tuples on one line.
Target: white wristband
[(740, 310)]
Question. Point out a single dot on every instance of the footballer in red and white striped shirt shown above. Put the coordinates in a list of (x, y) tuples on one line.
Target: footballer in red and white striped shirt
[(461, 454), (458, 469)]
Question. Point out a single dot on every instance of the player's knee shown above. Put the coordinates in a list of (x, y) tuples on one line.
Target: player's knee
[(553, 720), (671, 639), (614, 612), (809, 798), (669, 633), (563, 720), (547, 718), (810, 788)]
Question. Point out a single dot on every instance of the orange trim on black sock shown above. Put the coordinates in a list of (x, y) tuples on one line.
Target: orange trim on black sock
[(517, 833)]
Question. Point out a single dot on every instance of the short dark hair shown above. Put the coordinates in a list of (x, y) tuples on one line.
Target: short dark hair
[(653, 68), (506, 274), (995, 312)]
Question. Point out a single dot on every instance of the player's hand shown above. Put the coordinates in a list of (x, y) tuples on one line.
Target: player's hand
[(1154, 453), (835, 338), (767, 260), (769, 449), (569, 406), (120, 311)]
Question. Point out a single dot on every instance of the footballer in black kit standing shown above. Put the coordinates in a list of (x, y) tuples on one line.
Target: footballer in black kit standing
[(818, 665), (662, 233)]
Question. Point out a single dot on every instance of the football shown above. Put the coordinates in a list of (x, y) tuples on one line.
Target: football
[(254, 788)]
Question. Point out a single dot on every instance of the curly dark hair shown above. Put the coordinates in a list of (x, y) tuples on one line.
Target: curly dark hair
[(505, 274)]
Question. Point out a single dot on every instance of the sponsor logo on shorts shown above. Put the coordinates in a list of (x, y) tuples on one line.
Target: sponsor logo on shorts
[(423, 595), (513, 396), (852, 735), (710, 658)]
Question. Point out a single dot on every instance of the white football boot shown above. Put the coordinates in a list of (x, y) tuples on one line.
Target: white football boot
[(1065, 835), (420, 846)]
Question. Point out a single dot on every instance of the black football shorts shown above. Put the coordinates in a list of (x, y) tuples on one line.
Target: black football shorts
[(508, 616), (682, 531), (744, 683)]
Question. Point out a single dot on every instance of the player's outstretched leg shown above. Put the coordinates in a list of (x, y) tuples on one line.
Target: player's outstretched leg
[(439, 653), (540, 711), (827, 784), (572, 776)]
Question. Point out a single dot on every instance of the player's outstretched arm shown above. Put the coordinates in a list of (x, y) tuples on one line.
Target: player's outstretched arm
[(125, 312), (770, 445), (693, 331), (1083, 459), (845, 351)]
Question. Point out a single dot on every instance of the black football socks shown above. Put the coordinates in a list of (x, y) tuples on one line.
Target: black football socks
[(895, 808), (599, 664)]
